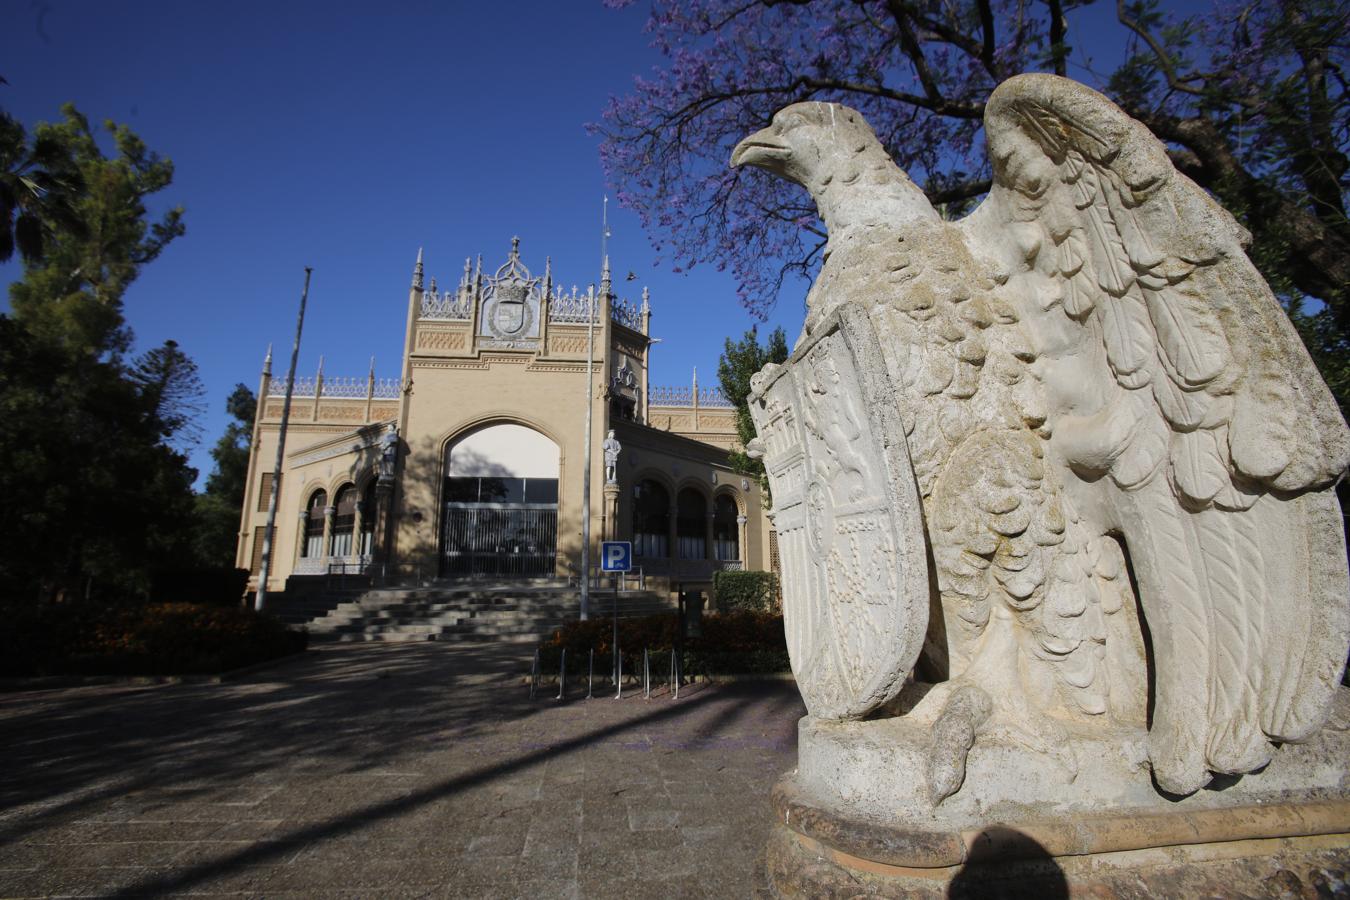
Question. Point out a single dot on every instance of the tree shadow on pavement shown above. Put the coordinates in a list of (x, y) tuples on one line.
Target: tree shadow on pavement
[(305, 748)]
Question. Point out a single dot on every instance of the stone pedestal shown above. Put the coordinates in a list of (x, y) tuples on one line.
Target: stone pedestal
[(384, 499), (855, 820), (611, 523)]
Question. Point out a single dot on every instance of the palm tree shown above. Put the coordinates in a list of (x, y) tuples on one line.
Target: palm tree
[(38, 190)]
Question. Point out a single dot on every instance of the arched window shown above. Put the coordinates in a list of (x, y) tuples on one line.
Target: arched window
[(651, 520), (344, 522), (691, 524), (368, 520), (314, 524), (726, 530)]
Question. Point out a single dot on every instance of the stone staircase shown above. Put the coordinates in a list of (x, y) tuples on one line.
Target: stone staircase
[(521, 611)]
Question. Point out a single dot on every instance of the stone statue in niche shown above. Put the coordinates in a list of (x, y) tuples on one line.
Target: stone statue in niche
[(612, 448), (388, 454), (1057, 456)]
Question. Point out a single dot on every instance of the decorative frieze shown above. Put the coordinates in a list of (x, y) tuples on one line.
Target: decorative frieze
[(567, 343), (439, 339), (346, 412)]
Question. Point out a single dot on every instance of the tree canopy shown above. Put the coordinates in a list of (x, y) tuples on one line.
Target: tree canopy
[(739, 362), (218, 507), (96, 482), (1251, 100), (38, 186), (73, 294)]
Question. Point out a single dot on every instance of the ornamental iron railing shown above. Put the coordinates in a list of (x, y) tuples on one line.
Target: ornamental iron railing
[(683, 395), (340, 388)]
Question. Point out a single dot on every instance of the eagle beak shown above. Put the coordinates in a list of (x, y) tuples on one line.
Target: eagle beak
[(763, 149)]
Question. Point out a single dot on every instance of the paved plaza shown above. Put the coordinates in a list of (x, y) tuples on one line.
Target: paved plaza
[(418, 770)]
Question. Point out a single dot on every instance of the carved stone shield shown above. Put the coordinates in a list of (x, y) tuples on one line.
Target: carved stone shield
[(848, 516), (508, 314)]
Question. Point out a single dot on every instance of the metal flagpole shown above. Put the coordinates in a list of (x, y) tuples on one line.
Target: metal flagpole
[(590, 413), (265, 566), (586, 464)]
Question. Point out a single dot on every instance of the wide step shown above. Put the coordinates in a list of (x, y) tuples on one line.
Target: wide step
[(477, 612)]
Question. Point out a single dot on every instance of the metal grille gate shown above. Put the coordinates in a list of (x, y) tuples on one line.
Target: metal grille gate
[(499, 539)]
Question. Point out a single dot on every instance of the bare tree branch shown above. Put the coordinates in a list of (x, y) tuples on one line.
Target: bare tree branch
[(1058, 52), (1164, 61), (966, 190)]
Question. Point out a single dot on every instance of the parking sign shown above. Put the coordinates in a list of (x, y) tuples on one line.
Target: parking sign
[(616, 556)]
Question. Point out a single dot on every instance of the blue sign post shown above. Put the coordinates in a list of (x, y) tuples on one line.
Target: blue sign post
[(616, 556)]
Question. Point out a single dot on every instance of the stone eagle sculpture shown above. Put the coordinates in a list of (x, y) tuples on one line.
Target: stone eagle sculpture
[(1106, 413)]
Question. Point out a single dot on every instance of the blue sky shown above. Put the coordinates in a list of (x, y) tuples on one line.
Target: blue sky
[(344, 137)]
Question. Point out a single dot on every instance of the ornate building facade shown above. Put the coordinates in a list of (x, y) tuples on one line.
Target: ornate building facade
[(471, 463)]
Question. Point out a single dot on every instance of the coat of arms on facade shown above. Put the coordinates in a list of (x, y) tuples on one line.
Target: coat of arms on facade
[(511, 300)]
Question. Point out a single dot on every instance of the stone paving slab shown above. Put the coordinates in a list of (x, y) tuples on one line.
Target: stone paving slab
[(412, 770)]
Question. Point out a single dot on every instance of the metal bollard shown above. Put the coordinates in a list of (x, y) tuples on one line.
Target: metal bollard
[(590, 674), (534, 673), (562, 675), (679, 672), (646, 675), (671, 685)]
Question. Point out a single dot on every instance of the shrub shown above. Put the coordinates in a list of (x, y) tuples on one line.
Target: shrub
[(139, 639), (746, 590), (741, 641), (215, 587)]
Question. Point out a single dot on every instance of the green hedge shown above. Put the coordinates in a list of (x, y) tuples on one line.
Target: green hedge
[(742, 641), (138, 639), (746, 590)]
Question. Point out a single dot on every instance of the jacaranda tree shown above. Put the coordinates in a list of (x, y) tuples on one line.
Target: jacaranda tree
[(1251, 99)]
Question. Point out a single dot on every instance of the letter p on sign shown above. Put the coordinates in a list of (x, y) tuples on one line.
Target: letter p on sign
[(616, 556)]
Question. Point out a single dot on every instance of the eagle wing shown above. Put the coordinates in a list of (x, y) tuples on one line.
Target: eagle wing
[(1171, 370)]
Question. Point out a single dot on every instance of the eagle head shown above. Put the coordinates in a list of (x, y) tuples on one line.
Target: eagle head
[(831, 151), (809, 142)]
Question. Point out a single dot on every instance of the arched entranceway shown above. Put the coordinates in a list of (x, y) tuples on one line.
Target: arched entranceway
[(691, 524), (651, 520), (501, 503), (344, 522), (314, 519), (726, 529)]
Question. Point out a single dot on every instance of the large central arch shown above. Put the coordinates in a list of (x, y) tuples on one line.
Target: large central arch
[(500, 502)]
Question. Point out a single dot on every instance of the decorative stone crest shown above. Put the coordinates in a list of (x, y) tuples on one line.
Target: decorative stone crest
[(511, 302)]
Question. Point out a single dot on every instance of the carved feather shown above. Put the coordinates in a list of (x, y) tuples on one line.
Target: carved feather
[(1145, 452), (1199, 465), (1110, 262), (1129, 337), (1235, 743), (1190, 335), (1179, 623), (1184, 409)]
